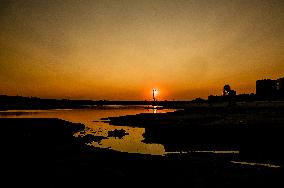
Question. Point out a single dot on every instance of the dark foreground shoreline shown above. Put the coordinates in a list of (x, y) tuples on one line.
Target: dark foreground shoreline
[(255, 132), (44, 153)]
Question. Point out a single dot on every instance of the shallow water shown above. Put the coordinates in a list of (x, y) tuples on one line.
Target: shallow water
[(256, 164), (91, 118)]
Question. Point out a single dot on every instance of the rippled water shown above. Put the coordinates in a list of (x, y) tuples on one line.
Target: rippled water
[(91, 118)]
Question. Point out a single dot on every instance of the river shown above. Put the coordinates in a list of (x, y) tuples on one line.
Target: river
[(91, 118)]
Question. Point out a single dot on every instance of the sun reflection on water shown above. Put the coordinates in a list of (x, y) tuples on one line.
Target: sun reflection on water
[(91, 118)]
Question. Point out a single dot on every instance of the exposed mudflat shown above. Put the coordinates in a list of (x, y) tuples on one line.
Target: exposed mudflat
[(44, 153)]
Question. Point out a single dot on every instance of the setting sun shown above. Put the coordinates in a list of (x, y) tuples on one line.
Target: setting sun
[(186, 48), (156, 92), (160, 92)]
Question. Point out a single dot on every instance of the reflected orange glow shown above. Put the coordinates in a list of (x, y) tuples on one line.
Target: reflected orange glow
[(91, 118), (154, 110)]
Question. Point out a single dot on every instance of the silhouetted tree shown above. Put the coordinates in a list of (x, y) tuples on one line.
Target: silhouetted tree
[(229, 95)]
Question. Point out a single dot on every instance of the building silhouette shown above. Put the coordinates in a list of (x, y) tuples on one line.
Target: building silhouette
[(280, 88), (268, 89)]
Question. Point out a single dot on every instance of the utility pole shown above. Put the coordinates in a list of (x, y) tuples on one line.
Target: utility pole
[(154, 99)]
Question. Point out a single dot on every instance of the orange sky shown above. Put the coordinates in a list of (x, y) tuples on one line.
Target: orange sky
[(120, 50)]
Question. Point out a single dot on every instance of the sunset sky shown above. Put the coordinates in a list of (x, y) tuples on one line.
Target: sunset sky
[(120, 50)]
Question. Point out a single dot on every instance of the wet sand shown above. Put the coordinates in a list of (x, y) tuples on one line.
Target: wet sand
[(44, 153)]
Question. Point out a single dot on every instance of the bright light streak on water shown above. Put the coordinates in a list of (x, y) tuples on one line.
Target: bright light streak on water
[(206, 151), (256, 164)]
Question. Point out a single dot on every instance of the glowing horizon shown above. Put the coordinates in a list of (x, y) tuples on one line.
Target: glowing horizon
[(119, 50)]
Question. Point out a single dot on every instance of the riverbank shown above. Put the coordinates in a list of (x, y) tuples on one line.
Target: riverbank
[(256, 132), (44, 153)]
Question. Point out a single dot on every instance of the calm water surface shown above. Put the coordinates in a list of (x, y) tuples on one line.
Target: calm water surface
[(91, 118)]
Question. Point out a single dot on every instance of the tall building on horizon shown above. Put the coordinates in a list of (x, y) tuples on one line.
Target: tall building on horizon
[(268, 89), (280, 87)]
